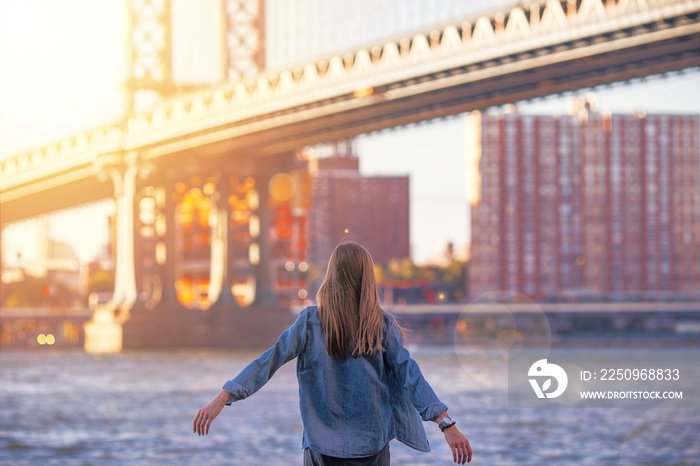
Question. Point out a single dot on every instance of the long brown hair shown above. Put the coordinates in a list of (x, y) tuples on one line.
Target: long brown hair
[(348, 303)]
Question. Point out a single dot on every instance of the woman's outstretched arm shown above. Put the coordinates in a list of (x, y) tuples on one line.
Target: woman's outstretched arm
[(410, 378), (251, 379)]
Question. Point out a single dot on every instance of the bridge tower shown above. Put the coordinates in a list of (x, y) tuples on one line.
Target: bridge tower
[(243, 33), (150, 46), (198, 234), (149, 50)]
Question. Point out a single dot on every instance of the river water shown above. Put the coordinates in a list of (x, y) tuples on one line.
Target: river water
[(67, 407)]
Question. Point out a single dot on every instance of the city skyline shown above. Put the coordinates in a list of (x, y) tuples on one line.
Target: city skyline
[(585, 205)]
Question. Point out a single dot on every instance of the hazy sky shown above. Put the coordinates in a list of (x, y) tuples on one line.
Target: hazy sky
[(62, 68)]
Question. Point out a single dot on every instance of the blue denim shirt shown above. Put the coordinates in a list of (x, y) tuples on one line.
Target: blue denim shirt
[(350, 407)]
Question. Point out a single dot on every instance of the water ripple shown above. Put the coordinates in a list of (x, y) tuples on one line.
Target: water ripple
[(137, 408)]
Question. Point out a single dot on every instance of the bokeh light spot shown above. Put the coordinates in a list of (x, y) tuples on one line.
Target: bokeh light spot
[(282, 187)]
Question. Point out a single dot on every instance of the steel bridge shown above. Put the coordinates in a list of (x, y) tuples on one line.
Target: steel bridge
[(251, 124)]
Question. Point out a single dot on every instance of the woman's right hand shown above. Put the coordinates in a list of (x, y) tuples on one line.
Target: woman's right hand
[(206, 415), (461, 450)]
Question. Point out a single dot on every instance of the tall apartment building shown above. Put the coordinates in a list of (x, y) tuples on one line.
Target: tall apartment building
[(372, 210), (585, 205)]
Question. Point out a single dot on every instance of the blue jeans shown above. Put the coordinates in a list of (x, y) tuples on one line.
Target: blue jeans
[(312, 458)]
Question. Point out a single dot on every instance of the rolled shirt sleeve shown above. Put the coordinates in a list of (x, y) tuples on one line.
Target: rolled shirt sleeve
[(288, 346), (409, 376)]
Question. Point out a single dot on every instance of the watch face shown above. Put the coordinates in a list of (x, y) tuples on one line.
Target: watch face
[(446, 420)]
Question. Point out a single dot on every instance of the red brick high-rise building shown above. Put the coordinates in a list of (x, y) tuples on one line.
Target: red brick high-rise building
[(585, 206), (372, 210)]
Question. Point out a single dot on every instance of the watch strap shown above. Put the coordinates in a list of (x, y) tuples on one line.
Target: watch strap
[(445, 423)]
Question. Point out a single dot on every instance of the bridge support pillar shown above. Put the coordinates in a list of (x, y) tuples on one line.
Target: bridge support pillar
[(103, 332), (167, 269), (264, 294), (222, 267)]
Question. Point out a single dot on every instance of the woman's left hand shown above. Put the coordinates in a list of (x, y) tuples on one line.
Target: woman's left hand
[(206, 415)]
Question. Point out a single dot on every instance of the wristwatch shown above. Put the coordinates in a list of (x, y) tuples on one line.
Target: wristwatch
[(445, 423)]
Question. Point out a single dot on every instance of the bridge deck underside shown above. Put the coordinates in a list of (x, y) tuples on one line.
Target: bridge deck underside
[(84, 190), (474, 87)]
